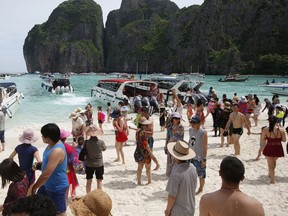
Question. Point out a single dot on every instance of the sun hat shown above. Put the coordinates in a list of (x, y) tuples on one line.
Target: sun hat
[(74, 115), (124, 109), (180, 150), (243, 99), (115, 114), (162, 105), (227, 105), (64, 134), (195, 119), (96, 202), (175, 115), (144, 121), (79, 110), (28, 136), (169, 103), (93, 130)]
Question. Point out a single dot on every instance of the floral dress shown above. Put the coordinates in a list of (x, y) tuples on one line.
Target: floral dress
[(144, 155)]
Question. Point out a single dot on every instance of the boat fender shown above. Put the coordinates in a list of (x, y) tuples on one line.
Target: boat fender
[(114, 98), (21, 94), (7, 111)]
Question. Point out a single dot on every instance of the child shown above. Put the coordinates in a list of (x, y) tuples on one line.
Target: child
[(162, 117), (262, 144), (108, 112), (26, 153), (79, 167), (72, 159), (101, 117), (279, 114)]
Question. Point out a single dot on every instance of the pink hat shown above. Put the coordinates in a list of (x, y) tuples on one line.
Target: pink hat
[(64, 134), (28, 136)]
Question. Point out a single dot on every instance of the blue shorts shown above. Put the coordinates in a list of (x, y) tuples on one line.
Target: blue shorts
[(151, 142), (201, 171), (58, 197), (2, 137)]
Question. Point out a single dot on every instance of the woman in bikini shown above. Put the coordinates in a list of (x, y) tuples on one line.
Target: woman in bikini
[(273, 136), (120, 134)]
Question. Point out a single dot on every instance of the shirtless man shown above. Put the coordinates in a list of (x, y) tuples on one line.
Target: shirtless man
[(251, 107), (230, 200), (237, 119)]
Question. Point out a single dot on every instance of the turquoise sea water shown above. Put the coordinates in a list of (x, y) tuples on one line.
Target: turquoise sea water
[(41, 107)]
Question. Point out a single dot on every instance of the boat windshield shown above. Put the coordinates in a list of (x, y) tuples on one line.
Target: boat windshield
[(111, 86), (187, 86), (138, 88)]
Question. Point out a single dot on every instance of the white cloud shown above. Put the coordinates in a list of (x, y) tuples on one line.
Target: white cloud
[(19, 16)]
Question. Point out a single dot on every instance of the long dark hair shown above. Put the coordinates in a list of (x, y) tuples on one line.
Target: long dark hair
[(256, 100), (272, 122), (10, 171)]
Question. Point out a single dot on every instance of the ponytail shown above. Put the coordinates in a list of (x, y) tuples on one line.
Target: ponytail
[(272, 122)]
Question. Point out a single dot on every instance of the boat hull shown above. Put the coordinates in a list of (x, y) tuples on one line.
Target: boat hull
[(277, 89), (236, 80)]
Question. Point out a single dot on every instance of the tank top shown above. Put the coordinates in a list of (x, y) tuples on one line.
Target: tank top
[(58, 179), (198, 145)]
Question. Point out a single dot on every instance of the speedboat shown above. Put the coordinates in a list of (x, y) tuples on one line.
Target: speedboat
[(116, 90), (10, 98), (277, 88), (4, 76), (185, 88), (57, 85), (233, 78)]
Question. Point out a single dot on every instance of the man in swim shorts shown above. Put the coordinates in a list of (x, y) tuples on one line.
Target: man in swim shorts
[(251, 107), (238, 120)]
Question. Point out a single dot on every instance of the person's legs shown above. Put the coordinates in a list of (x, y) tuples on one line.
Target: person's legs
[(148, 172), (156, 162), (236, 139), (99, 172), (222, 137), (2, 138), (59, 199), (117, 151), (201, 185), (139, 172), (247, 116), (271, 161), (120, 148), (89, 176)]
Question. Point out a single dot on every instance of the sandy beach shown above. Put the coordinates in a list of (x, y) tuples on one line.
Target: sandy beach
[(130, 199)]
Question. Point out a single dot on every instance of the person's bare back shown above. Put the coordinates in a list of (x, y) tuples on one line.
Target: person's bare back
[(228, 202)]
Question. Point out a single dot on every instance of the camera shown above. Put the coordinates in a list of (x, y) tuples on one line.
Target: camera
[(193, 140)]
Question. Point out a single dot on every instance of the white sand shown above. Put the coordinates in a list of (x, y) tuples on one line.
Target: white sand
[(130, 199)]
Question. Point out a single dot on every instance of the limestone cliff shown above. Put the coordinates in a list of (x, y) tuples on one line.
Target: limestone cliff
[(70, 41)]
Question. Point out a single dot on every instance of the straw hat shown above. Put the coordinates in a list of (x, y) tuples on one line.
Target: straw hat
[(95, 203), (227, 105), (79, 110), (74, 115), (162, 105), (93, 130), (64, 134), (28, 136), (144, 121), (180, 150)]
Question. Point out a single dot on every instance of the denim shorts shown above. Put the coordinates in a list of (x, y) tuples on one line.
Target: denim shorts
[(58, 197)]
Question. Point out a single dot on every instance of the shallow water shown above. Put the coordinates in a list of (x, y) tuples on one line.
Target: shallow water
[(40, 106)]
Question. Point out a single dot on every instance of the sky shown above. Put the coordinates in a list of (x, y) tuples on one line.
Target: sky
[(17, 18)]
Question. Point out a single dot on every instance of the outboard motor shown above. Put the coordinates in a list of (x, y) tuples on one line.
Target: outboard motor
[(145, 101), (57, 90), (62, 89)]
